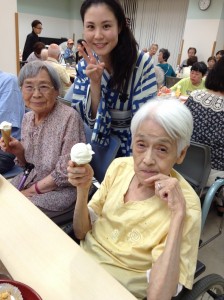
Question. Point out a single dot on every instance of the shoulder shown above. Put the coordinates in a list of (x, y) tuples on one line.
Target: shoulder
[(66, 111), (9, 80), (122, 165)]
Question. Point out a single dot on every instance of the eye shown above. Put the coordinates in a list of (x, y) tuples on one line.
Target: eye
[(89, 26), (106, 26), (162, 149)]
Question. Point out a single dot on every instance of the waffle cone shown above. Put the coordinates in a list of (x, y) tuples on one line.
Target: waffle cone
[(6, 135)]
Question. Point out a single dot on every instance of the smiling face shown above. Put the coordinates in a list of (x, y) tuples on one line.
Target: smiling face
[(43, 98), (101, 30), (154, 151)]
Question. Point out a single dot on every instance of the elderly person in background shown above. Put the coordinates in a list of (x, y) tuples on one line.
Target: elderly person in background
[(47, 137), (159, 77), (190, 52), (163, 56), (69, 55), (44, 54), (152, 51), (194, 82), (54, 54), (207, 108), (211, 62), (145, 218), (36, 54)]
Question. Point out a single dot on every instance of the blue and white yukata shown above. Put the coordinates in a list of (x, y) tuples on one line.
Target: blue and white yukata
[(115, 109)]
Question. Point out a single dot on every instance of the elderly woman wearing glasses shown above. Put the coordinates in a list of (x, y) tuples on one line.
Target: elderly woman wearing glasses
[(46, 139)]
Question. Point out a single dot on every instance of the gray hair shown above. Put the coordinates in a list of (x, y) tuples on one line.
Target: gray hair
[(33, 68), (172, 115)]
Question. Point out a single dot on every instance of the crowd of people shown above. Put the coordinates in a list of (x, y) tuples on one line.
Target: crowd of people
[(143, 223)]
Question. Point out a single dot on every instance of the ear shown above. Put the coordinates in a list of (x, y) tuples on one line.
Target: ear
[(182, 156)]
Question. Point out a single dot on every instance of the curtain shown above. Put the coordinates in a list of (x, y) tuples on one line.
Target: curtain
[(158, 21)]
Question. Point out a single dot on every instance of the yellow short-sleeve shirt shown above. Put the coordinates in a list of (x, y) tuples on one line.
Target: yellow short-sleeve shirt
[(127, 238)]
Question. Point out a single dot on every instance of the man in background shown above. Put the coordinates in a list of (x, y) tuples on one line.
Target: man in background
[(152, 51), (54, 54), (12, 110), (69, 55)]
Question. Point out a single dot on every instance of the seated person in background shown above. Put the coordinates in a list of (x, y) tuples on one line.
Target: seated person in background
[(190, 52), (53, 59), (163, 56), (36, 54), (12, 110), (207, 108), (44, 54), (194, 82), (145, 217), (145, 50), (211, 62), (219, 54), (187, 70), (47, 137), (78, 55), (69, 55)]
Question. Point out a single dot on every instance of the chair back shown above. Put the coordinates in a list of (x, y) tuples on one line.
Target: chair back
[(196, 166), (103, 155), (170, 81)]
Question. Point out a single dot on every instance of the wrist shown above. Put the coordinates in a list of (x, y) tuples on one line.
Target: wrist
[(37, 189)]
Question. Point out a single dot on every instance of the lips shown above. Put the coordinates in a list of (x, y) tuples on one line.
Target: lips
[(100, 45)]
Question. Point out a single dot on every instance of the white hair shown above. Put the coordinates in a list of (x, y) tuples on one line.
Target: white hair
[(172, 115)]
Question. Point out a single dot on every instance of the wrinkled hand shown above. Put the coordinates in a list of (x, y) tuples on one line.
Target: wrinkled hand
[(80, 176), (29, 192), (94, 69), (168, 189), (15, 147)]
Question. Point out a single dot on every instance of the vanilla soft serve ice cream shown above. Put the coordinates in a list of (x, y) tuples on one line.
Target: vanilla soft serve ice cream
[(81, 153), (6, 129)]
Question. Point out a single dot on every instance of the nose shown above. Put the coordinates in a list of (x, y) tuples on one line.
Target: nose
[(149, 158), (98, 33), (36, 91)]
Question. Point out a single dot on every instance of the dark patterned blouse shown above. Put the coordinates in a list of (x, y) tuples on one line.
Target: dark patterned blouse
[(208, 113)]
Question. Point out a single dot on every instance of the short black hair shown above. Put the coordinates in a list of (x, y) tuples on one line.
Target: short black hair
[(200, 67), (211, 58), (192, 48), (35, 23), (192, 60), (165, 52), (221, 52), (214, 80)]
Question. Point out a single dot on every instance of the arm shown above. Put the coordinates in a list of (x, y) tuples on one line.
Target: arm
[(15, 148), (164, 276), (94, 72), (144, 86), (81, 177), (45, 185)]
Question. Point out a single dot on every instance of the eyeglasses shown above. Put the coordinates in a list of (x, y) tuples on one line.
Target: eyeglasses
[(43, 89), (70, 43), (40, 28)]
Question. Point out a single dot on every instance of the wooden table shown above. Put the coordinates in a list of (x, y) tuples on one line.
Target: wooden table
[(38, 253)]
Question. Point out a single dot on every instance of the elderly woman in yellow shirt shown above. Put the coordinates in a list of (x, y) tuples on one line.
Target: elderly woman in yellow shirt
[(145, 218)]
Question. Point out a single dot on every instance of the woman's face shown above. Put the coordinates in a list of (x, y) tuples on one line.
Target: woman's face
[(195, 77), (154, 151), (160, 57), (101, 30), (39, 94), (211, 63)]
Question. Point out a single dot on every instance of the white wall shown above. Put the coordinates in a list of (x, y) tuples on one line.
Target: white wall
[(8, 36), (203, 28)]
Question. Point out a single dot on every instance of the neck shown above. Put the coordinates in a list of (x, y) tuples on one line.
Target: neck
[(107, 61)]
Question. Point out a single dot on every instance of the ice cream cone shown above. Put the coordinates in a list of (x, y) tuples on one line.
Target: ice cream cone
[(6, 129), (81, 154), (6, 133)]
